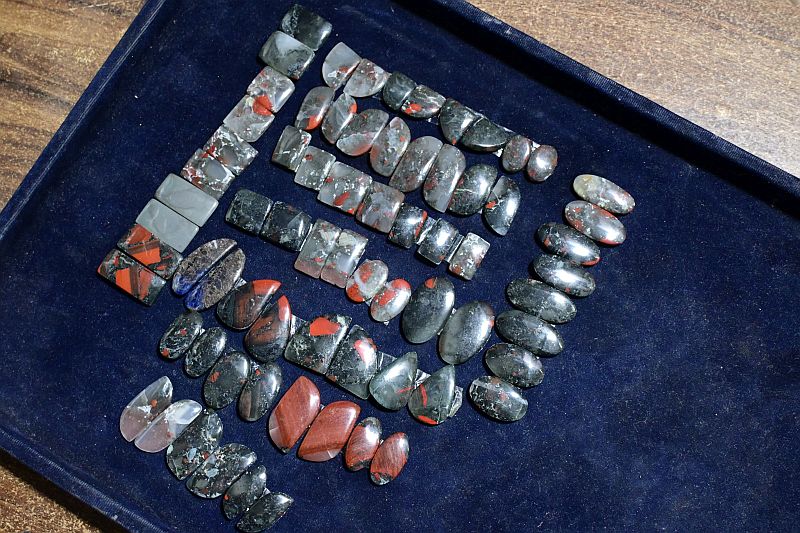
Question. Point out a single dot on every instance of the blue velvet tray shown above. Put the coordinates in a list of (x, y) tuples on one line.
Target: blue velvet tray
[(673, 406)]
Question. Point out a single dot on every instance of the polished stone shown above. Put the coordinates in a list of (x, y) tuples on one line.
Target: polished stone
[(167, 426), (516, 153), (180, 334), (291, 148), (468, 256), (530, 332), (497, 399), (355, 363), (167, 225), (286, 54), (415, 163), (339, 64), (431, 401), (390, 459), (397, 89), (515, 364), (230, 150), (564, 275), (443, 176), (329, 432), (359, 135), (220, 470), (208, 174), (569, 243), (226, 379), (339, 115), (272, 88), (390, 300), (454, 119), (603, 193), (159, 257), (379, 208), (313, 108), (243, 305), (296, 410), (502, 205), (250, 118), (437, 244), (367, 79), (248, 211), (539, 299), (260, 391), (344, 188), (344, 258), (472, 189), (392, 386), (198, 263), (286, 226), (422, 102), (407, 225), (145, 407), (465, 333), (186, 199), (314, 168), (428, 309), (317, 247), (205, 351), (484, 136), (131, 277), (265, 512), (542, 163), (362, 444), (389, 147), (267, 337), (244, 492), (217, 283), (314, 345), (367, 280), (195, 444), (306, 26)]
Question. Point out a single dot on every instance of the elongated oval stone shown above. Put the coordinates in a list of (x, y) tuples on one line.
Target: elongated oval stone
[(542, 163), (498, 399), (367, 280), (390, 459), (339, 64), (244, 492), (295, 411), (443, 176), (167, 426), (564, 275), (567, 242), (198, 263), (604, 193), (473, 189), (220, 470), (265, 512), (502, 206), (515, 364), (217, 283), (359, 135), (595, 222), (392, 386), (267, 337), (355, 362), (539, 299), (260, 391), (397, 89), (145, 407), (367, 79), (530, 332), (422, 102), (242, 306), (415, 163), (390, 300), (329, 432), (466, 332), (195, 444), (432, 401), (516, 153), (428, 309), (454, 119), (389, 146), (314, 345), (180, 334), (226, 379), (313, 108), (339, 115), (205, 351), (484, 136), (362, 444)]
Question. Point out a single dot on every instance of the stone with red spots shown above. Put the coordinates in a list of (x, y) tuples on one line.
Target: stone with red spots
[(231, 150), (244, 492), (443, 177), (454, 119), (484, 136), (367, 280), (390, 301), (313, 108), (144, 407), (267, 337), (142, 245), (226, 379), (180, 335), (397, 89), (195, 444), (167, 426), (216, 284), (502, 205), (415, 163), (260, 391), (314, 168), (339, 64), (291, 147), (432, 402), (468, 257), (339, 115), (355, 363), (131, 277), (344, 187), (296, 410), (367, 79), (380, 207), (242, 306), (390, 459), (208, 174), (250, 118), (603, 193), (317, 247), (530, 332), (465, 333), (497, 399), (407, 227), (564, 275), (314, 345), (329, 432), (392, 386), (359, 135), (422, 102), (344, 258), (516, 153), (274, 87), (569, 243), (595, 222), (362, 444), (286, 54), (204, 352), (389, 147)]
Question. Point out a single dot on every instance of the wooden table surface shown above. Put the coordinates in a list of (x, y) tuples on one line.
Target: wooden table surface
[(732, 66)]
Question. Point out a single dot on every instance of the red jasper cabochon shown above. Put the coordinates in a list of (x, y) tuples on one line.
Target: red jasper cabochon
[(329, 433), (363, 443), (243, 305), (390, 459), (294, 413)]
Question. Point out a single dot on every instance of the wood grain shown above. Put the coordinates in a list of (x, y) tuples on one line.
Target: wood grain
[(732, 66)]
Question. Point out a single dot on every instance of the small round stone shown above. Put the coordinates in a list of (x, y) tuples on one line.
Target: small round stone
[(542, 163)]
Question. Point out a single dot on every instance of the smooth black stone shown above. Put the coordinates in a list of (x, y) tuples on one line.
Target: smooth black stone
[(484, 136), (473, 189), (267, 338), (428, 309), (195, 444), (438, 242), (498, 399), (306, 26), (564, 275), (515, 364), (286, 226), (466, 332), (244, 492), (220, 470), (502, 205), (180, 334), (560, 239), (315, 344), (260, 391), (392, 386), (355, 363), (265, 512), (397, 88), (407, 225), (248, 211), (540, 299), (205, 351), (432, 401), (454, 119), (530, 332), (516, 153), (226, 379)]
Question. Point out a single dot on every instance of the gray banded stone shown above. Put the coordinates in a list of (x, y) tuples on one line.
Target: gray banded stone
[(186, 199)]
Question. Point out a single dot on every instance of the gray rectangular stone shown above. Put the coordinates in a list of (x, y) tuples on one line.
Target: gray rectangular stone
[(186, 199), (167, 225)]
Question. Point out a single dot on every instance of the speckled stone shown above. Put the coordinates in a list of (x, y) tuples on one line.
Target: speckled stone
[(244, 492), (465, 333), (362, 444), (355, 363), (344, 258), (515, 365), (380, 207), (428, 310), (265, 512), (389, 147), (431, 402), (145, 407), (443, 176), (516, 153), (217, 283), (243, 305), (313, 108), (198, 263), (603, 193), (359, 135), (159, 257), (497, 399), (454, 119), (306, 26), (422, 102), (196, 443), (392, 386), (367, 280), (502, 206), (205, 351), (248, 211), (267, 337), (397, 89), (291, 148), (220, 470), (437, 244), (329, 432), (226, 379), (569, 243), (314, 345), (473, 189), (339, 64), (314, 168), (296, 410), (539, 299), (273, 87), (390, 300), (286, 226), (250, 118), (415, 163), (167, 426), (468, 256), (484, 136), (367, 79), (186, 199), (167, 225), (530, 332), (317, 247), (344, 188), (390, 459), (564, 275), (230, 150), (180, 334), (207, 174), (339, 115), (407, 226), (542, 163), (260, 391), (286, 54)]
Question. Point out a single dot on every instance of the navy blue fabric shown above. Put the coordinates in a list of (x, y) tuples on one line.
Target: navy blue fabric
[(674, 404)]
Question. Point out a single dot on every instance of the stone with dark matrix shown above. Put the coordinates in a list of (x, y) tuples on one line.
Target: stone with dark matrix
[(195, 444), (432, 401), (502, 205), (339, 64), (438, 242), (198, 263), (354, 363), (230, 150), (167, 426), (306, 26), (142, 245), (367, 79), (367, 280), (542, 300), (380, 206), (397, 89), (329, 432), (454, 119), (217, 283), (313, 108), (131, 277), (564, 275), (205, 351), (473, 189), (243, 305), (604, 193), (415, 163), (389, 146), (315, 344), (344, 258), (260, 391), (428, 309), (248, 211), (267, 337), (339, 115), (180, 334), (286, 54), (569, 243), (244, 492), (516, 153), (226, 379), (466, 332), (145, 407), (497, 399), (250, 118), (295, 411), (286, 226), (595, 222), (220, 470), (359, 135), (468, 256), (392, 386), (362, 444), (208, 174), (407, 225), (390, 459), (443, 177), (317, 247), (515, 364), (390, 300), (484, 136), (314, 168), (530, 332), (542, 163), (344, 187), (422, 102), (265, 512), (291, 147)]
